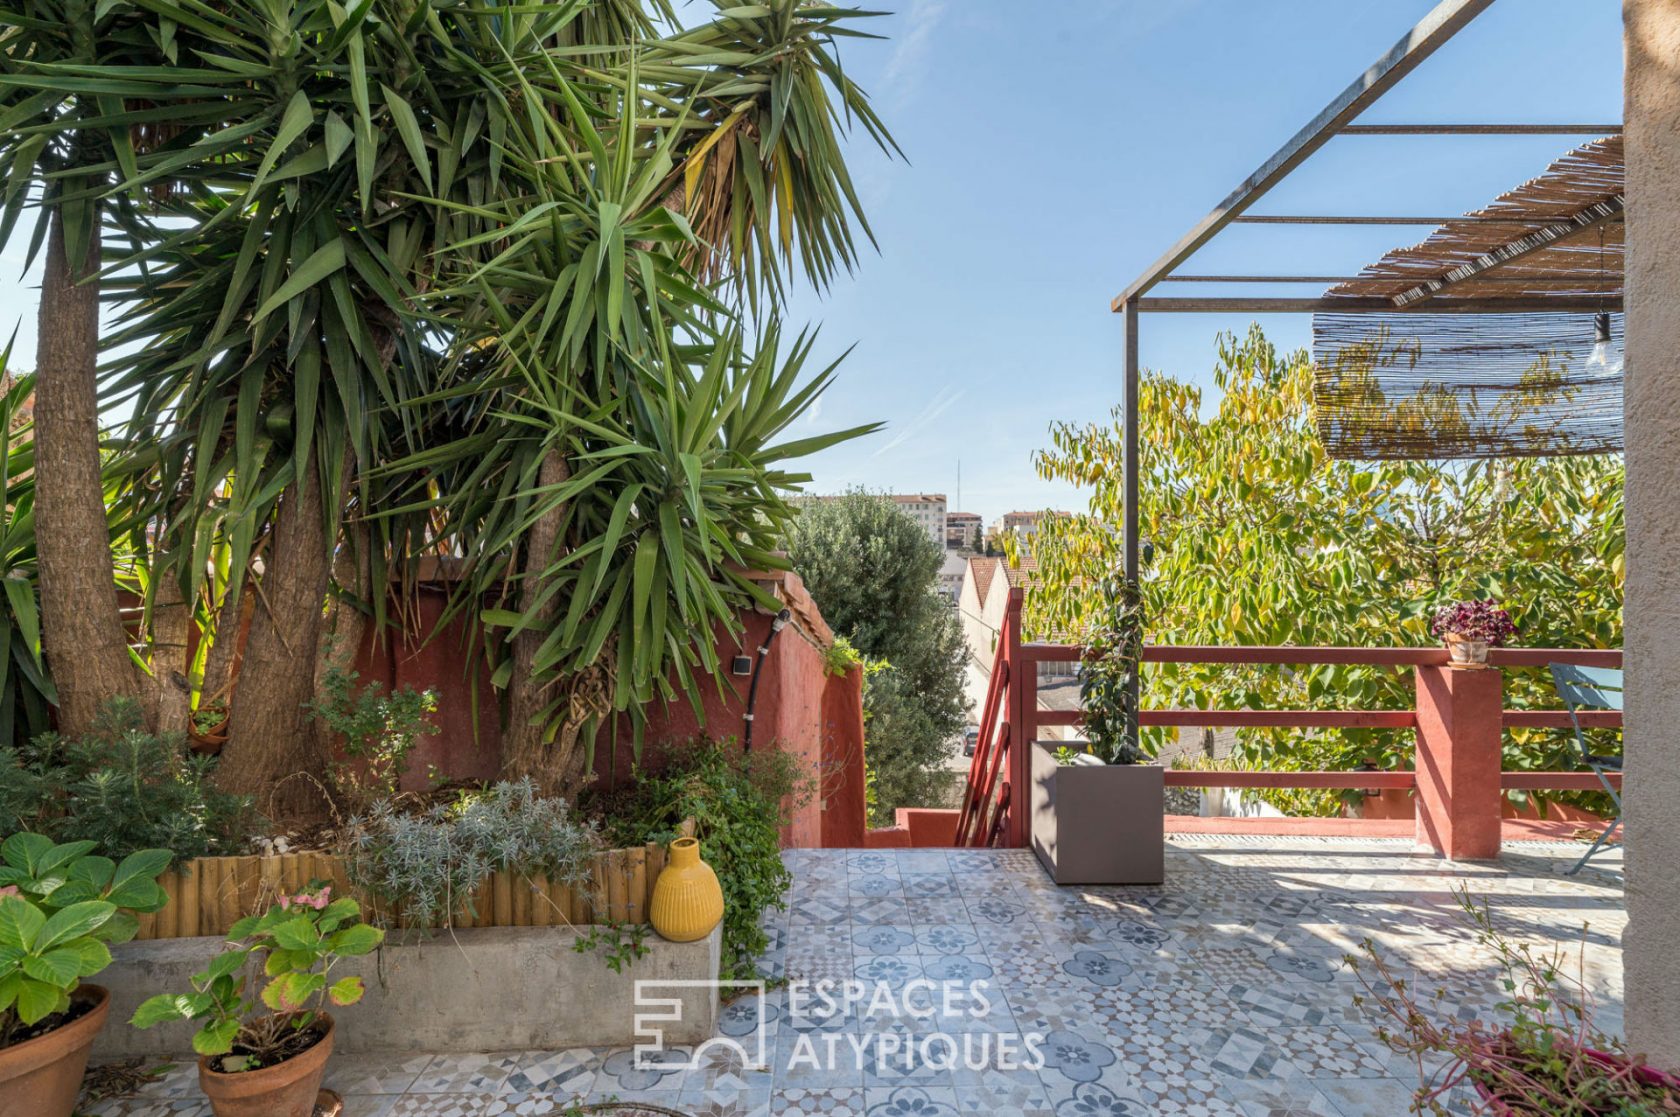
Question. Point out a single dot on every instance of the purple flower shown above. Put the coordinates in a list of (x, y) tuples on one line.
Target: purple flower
[(1474, 620)]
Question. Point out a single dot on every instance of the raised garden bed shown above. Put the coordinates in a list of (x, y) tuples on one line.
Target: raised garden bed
[(209, 894), (483, 989)]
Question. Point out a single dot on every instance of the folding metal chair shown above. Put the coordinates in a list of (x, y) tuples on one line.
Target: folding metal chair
[(1592, 688)]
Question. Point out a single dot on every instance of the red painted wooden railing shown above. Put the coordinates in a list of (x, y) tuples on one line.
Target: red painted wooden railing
[(1458, 719)]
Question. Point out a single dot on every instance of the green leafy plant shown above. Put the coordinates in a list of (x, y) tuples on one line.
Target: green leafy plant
[(1330, 552), (840, 657), (1540, 1055), (1297, 802), (428, 865), (620, 943), (123, 789), (60, 907), (297, 942), (378, 731), (1113, 654), (26, 688), (207, 719), (739, 804)]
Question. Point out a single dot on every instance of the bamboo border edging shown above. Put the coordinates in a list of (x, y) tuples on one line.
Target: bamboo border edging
[(208, 895)]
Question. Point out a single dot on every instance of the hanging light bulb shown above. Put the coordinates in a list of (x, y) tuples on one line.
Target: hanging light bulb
[(1606, 356)]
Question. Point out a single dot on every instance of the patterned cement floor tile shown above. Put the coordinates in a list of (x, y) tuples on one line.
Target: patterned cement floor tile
[(374, 1074), (1271, 1098), (1366, 1097), (911, 1101), (551, 1072), (1222, 992), (818, 1103), (464, 1074), (723, 1102), (380, 1105), (150, 1107), (441, 1105), (528, 1103)]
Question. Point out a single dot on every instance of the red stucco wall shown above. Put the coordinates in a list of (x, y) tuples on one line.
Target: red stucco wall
[(800, 709)]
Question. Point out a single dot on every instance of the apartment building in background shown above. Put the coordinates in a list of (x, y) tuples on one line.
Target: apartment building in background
[(928, 510), (1019, 524), (961, 530)]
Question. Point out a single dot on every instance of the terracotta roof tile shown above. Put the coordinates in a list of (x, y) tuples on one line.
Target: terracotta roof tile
[(980, 571), (1025, 574)]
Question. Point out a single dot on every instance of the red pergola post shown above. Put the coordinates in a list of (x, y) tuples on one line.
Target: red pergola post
[(1459, 733)]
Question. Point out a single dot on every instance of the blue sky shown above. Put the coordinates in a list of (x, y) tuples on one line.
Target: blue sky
[(1057, 148)]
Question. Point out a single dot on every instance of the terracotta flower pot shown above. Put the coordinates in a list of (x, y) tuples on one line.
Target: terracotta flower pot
[(1649, 1076), (42, 1076), (1467, 653), (208, 741), (687, 899), (287, 1089)]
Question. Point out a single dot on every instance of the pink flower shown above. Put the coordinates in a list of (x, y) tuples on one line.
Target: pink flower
[(316, 900), (10, 890)]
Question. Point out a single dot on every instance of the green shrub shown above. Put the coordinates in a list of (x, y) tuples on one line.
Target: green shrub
[(739, 804), (123, 789), (379, 732), (429, 864)]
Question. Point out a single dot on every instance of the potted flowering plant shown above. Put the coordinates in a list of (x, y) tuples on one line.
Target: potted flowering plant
[(269, 1064), (1096, 813), (1470, 628), (60, 907), (1541, 1053)]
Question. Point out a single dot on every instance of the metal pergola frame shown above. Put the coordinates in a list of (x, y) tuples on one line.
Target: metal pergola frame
[(1337, 119)]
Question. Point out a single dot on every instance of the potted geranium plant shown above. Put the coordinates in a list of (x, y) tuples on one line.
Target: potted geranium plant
[(1097, 811), (269, 1064), (1470, 628), (60, 907), (1540, 1053)]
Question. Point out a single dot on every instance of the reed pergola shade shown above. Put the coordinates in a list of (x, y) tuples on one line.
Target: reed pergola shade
[(1413, 382), (1506, 274), (1557, 235)]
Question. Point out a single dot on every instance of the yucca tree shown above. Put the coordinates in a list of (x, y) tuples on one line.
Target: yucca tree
[(422, 276), (55, 136), (26, 690)]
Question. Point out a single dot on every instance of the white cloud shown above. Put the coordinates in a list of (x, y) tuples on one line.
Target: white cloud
[(942, 402), (904, 69)]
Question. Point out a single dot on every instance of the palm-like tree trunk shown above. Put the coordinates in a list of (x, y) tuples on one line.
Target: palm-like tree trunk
[(272, 751), (81, 624), (525, 753), (170, 694)]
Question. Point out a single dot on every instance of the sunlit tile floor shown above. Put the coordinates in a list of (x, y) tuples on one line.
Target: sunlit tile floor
[(1225, 991)]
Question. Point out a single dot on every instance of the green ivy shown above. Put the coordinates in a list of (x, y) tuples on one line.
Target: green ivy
[(1115, 646), (739, 804)]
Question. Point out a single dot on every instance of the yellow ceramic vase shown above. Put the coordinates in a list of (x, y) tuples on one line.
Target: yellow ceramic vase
[(687, 900)]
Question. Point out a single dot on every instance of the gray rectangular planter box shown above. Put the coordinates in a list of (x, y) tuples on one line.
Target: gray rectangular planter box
[(1097, 823)]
